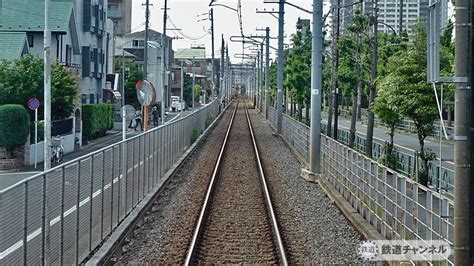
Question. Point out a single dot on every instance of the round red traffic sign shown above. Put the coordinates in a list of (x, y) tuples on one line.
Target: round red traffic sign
[(33, 104)]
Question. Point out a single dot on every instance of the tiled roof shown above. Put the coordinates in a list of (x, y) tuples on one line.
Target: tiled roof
[(197, 53), (28, 15), (12, 45)]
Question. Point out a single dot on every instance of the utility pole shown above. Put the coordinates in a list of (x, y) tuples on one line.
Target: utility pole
[(163, 58), (257, 81), (267, 70), (47, 132), (372, 85), (261, 77), (221, 81), (400, 23), (463, 137), (336, 63), (145, 51), (316, 88), (194, 83), (47, 85), (213, 69), (281, 14)]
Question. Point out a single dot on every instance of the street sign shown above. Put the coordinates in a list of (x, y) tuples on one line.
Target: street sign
[(33, 104)]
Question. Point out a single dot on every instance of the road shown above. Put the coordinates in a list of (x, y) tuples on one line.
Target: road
[(8, 179), (408, 141)]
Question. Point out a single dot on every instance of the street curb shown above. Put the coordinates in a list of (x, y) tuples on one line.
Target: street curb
[(116, 240)]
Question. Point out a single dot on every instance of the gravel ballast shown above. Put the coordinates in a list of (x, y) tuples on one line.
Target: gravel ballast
[(313, 229), (167, 231)]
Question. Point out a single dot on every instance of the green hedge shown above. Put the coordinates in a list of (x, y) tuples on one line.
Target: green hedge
[(96, 120), (14, 126)]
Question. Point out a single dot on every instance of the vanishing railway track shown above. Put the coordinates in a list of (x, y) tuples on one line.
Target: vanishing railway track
[(237, 223)]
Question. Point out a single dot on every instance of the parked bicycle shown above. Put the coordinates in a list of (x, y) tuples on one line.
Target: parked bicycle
[(57, 150)]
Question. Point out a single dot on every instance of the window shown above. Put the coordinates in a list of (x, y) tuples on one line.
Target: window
[(91, 98), (84, 98), (30, 38), (139, 43)]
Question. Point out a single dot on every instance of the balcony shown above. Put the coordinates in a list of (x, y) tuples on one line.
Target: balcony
[(114, 13)]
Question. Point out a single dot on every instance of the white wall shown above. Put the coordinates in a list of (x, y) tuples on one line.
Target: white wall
[(68, 143)]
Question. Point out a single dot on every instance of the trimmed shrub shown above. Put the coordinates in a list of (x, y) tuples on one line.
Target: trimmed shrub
[(14, 126), (97, 119)]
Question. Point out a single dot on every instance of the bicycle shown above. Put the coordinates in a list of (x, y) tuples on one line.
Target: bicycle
[(57, 150)]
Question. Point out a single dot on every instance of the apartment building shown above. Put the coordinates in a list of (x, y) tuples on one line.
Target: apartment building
[(120, 12)]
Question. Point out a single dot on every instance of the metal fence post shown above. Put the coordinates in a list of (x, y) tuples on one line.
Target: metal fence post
[(112, 191), (90, 203), (45, 223), (126, 179), (102, 196), (138, 167), (78, 202), (63, 183), (133, 173), (25, 223)]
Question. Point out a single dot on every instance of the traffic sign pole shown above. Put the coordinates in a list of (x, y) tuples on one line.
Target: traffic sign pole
[(36, 138)]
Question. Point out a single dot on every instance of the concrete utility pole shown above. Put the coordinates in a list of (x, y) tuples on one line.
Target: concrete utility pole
[(267, 70), (258, 80), (47, 129), (163, 58), (372, 86), (316, 88), (336, 64), (221, 81), (400, 23), (145, 51), (213, 68), (194, 83), (47, 85), (260, 88), (281, 14), (463, 138)]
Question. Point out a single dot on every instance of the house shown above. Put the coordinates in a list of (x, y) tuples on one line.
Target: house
[(80, 38), (198, 56), (13, 45), (133, 46)]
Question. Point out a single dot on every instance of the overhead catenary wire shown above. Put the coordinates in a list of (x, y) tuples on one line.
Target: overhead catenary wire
[(180, 32)]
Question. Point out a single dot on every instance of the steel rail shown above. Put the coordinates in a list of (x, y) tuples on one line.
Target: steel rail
[(271, 213), (207, 200)]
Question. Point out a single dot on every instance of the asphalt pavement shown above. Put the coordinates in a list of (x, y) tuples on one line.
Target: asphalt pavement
[(10, 178), (403, 139)]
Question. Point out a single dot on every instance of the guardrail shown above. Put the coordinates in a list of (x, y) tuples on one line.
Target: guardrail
[(60, 216), (396, 206)]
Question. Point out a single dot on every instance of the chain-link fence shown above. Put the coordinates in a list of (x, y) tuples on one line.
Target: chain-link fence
[(398, 207), (61, 215)]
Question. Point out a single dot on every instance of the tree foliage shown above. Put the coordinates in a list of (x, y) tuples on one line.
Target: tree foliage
[(133, 73), (22, 79)]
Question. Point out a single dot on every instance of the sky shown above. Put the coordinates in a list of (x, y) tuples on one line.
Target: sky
[(184, 14)]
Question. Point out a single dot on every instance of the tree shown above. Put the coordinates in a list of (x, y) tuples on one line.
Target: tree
[(187, 93), (298, 68), (197, 92), (387, 110), (413, 97), (133, 73), (22, 79)]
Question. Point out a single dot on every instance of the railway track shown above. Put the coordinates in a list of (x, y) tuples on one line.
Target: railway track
[(237, 223)]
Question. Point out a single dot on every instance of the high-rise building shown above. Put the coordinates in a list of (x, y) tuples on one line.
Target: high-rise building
[(388, 13), (120, 11)]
